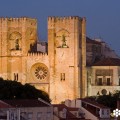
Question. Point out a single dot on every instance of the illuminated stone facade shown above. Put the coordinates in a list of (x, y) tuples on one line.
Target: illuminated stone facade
[(67, 57), (62, 71)]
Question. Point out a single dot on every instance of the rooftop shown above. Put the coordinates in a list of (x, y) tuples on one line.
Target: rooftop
[(93, 103), (4, 105), (26, 103), (108, 62), (88, 40), (69, 115)]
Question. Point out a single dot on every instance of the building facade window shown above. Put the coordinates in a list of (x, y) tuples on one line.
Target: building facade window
[(48, 116), (119, 81), (39, 116), (23, 115), (64, 113), (62, 76), (30, 115), (15, 76), (108, 80), (99, 80), (102, 112)]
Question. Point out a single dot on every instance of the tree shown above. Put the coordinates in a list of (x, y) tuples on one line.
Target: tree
[(109, 100), (15, 90)]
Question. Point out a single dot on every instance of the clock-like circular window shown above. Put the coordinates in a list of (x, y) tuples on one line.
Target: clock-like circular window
[(39, 71)]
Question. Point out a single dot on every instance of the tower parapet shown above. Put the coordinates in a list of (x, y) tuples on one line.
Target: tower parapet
[(37, 54), (52, 20), (18, 21)]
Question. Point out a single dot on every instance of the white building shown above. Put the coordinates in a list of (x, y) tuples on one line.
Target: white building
[(103, 77), (25, 110)]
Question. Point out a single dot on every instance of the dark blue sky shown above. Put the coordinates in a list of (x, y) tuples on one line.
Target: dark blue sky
[(103, 16)]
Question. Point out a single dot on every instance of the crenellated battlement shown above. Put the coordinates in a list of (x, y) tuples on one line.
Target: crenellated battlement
[(54, 18), (23, 31), (63, 21), (37, 54), (84, 19), (21, 19)]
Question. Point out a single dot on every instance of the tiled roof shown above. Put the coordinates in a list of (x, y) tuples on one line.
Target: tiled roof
[(26, 103), (73, 109), (60, 106), (4, 105), (88, 40), (108, 62), (69, 115), (97, 105), (91, 106)]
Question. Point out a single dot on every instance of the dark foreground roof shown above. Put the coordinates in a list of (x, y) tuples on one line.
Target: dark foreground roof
[(69, 115), (87, 100), (108, 62), (26, 103)]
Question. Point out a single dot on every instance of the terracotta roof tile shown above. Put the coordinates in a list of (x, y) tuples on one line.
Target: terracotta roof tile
[(73, 109), (61, 106), (4, 105), (69, 115)]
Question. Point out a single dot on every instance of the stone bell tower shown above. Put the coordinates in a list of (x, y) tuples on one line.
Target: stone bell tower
[(67, 57), (17, 35)]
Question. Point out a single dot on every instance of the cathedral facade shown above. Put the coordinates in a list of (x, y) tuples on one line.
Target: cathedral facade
[(61, 71)]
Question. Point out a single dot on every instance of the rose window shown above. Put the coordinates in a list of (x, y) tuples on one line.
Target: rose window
[(40, 72)]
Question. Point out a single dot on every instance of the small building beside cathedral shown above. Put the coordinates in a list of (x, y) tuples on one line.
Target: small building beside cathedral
[(104, 77)]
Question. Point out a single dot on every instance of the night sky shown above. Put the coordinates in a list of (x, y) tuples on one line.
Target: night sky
[(103, 16)]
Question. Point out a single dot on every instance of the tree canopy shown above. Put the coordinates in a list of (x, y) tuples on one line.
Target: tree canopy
[(15, 90), (109, 100)]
